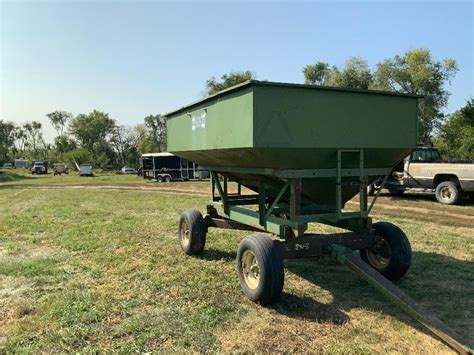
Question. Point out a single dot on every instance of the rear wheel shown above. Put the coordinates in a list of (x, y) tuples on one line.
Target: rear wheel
[(167, 178), (391, 253), (260, 268), (448, 192), (159, 179), (192, 232)]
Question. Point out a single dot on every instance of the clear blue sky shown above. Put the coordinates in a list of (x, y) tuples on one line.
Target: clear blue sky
[(132, 58)]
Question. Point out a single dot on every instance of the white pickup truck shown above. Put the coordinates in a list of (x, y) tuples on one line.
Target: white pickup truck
[(424, 170)]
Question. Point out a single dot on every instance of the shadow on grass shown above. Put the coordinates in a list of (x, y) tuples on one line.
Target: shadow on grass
[(306, 308), (213, 254), (442, 285), (11, 176)]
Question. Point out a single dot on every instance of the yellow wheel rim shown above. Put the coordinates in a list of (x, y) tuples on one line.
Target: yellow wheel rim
[(185, 232), (250, 269), (379, 254)]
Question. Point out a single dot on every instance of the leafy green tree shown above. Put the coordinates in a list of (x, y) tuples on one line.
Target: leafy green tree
[(316, 74), (59, 120), (79, 155), (21, 140), (93, 132), (355, 74), (92, 128), (227, 80), (34, 140), (63, 144), (416, 72), (456, 136), (7, 139), (125, 142), (156, 127)]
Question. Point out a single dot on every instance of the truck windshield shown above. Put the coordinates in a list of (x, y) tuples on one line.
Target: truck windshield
[(425, 156)]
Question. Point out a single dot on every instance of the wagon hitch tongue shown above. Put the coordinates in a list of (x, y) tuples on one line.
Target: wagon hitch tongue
[(398, 297)]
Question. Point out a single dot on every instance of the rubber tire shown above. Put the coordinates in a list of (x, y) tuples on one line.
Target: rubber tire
[(197, 232), (167, 178), (272, 275), (371, 190), (159, 179), (400, 250), (455, 193)]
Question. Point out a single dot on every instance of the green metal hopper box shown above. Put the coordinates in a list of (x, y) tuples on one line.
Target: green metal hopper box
[(303, 151)]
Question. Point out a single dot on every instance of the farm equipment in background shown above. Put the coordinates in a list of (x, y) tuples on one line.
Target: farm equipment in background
[(60, 168), (303, 151), (39, 167), (167, 167), (84, 169), (20, 164)]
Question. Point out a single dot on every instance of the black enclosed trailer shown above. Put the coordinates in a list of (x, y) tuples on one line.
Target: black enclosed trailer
[(168, 167)]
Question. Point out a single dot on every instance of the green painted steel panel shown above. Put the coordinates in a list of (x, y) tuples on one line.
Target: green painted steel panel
[(301, 117), (201, 128), (288, 126)]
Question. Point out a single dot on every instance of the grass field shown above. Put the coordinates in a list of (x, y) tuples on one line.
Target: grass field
[(93, 264)]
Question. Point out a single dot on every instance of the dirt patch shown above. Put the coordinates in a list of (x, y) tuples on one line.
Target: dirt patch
[(117, 188)]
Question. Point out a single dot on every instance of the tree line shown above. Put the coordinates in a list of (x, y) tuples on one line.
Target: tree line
[(86, 138), (97, 138)]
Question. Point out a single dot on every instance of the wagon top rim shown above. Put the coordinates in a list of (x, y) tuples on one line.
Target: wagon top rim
[(249, 83)]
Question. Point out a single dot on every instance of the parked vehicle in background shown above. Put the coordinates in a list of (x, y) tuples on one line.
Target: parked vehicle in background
[(128, 170), (7, 166), (60, 168), (20, 163), (166, 167), (85, 170), (40, 167), (424, 170)]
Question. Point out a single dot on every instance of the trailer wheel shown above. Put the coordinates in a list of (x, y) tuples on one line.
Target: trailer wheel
[(260, 268), (192, 232), (391, 253), (448, 193)]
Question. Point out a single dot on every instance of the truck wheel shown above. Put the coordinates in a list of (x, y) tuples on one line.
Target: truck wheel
[(371, 190), (391, 253), (260, 268), (192, 232), (167, 178), (448, 193)]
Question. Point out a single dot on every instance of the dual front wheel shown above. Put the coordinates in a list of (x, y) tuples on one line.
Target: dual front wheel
[(260, 267)]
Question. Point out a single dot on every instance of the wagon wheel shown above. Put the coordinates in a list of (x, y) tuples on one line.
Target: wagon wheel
[(391, 253), (192, 232), (260, 268)]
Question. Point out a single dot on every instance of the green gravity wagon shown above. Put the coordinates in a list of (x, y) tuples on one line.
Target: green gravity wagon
[(301, 152)]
